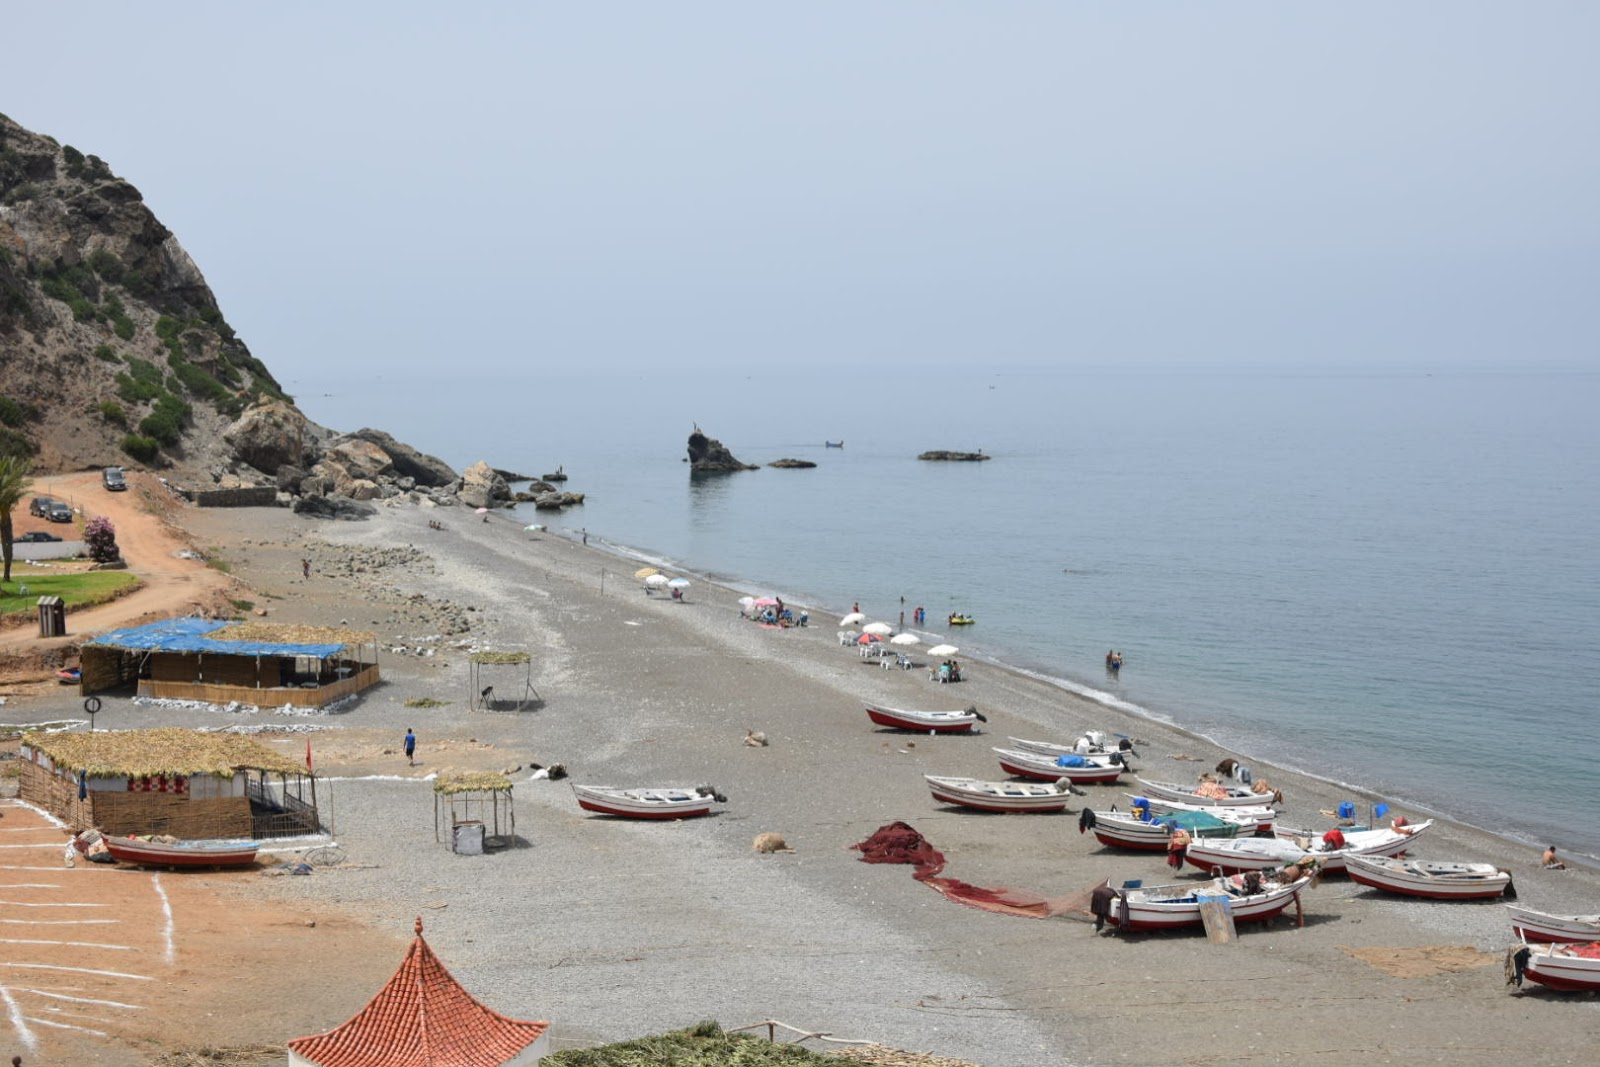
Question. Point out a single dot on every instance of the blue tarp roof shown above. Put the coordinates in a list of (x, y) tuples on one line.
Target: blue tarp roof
[(190, 635)]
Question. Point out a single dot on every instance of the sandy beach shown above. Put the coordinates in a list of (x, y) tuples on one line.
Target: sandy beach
[(613, 929)]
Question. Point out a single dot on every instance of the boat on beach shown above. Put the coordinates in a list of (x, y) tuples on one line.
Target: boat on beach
[(1266, 817), (998, 796), (659, 803), (182, 853), (1433, 879), (1126, 829), (1533, 925), (1092, 743), (1231, 796), (941, 722), (1079, 770), (1169, 907), (1573, 967), (1262, 853)]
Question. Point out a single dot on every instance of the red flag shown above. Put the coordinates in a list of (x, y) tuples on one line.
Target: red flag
[(308, 753)]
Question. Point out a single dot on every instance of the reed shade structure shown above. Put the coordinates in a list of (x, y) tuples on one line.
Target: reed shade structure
[(483, 797), (182, 782), (221, 662), (485, 663)]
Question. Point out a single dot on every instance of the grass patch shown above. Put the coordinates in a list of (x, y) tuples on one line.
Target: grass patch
[(80, 590), (215, 561), (426, 702), (706, 1045), (242, 605)]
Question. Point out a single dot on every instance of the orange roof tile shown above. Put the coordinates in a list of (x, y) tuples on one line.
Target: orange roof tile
[(421, 1018)]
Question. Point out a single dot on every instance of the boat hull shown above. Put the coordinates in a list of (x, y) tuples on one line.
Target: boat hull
[(1260, 854), (1116, 830), (1474, 886), (1043, 768), (993, 796), (1238, 799), (1555, 971), (671, 803), (940, 722), (1140, 912), (1566, 929), (152, 854)]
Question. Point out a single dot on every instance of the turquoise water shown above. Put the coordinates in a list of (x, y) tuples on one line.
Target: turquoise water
[(1391, 581)]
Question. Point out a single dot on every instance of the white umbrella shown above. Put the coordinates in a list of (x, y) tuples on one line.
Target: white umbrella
[(655, 581), (904, 639), (943, 650), (882, 629), (852, 619), (747, 602), (483, 511), (679, 583)]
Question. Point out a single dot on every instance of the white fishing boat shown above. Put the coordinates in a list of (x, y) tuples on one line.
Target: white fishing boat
[(1127, 829), (1079, 770), (660, 803), (1169, 907), (998, 796), (1226, 796), (1434, 879), (1266, 817), (1568, 967), (1092, 743), (940, 722), (1541, 926), (1262, 853)]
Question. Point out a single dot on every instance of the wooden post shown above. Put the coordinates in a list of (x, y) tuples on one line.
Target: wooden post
[(1216, 912)]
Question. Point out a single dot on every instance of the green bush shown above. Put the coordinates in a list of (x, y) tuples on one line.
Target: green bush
[(107, 353), (15, 413), (113, 413), (123, 326), (14, 443), (75, 161), (201, 384), (107, 265), (143, 449), (166, 421)]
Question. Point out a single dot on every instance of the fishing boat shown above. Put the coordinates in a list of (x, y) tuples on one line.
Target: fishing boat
[(939, 722), (998, 796), (1092, 743), (1169, 907), (1433, 879), (1126, 829), (1568, 967), (182, 853), (662, 803), (1079, 770), (961, 620), (1541, 926), (833, 444), (1265, 817), (1231, 796), (1262, 853)]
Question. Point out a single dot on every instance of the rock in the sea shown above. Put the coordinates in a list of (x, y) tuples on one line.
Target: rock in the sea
[(482, 487), (792, 464), (962, 457), (709, 454)]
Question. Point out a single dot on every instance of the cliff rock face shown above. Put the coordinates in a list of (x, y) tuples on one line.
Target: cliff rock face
[(482, 487), (709, 454)]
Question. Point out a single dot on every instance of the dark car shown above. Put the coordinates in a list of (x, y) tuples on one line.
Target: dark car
[(113, 479), (40, 506), (59, 512), (37, 535)]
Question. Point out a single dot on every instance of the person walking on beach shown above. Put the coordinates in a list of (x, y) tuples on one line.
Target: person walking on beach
[(411, 747), (305, 567)]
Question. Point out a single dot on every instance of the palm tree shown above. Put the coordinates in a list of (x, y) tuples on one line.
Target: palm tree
[(15, 481)]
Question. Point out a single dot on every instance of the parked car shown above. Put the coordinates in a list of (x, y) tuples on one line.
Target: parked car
[(37, 535), (60, 511), (40, 506), (113, 479)]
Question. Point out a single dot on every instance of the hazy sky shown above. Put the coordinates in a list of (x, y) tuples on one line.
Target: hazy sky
[(379, 185)]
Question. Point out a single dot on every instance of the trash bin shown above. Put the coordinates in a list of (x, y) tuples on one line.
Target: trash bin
[(52, 617), (467, 839)]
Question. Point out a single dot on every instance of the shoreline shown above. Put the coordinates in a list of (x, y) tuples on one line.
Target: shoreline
[(613, 929)]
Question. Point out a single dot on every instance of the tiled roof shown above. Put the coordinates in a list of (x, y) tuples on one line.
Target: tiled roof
[(422, 1018)]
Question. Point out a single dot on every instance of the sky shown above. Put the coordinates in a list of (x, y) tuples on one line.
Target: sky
[(636, 187)]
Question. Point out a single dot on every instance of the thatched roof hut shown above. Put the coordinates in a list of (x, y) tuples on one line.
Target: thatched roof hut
[(481, 798)]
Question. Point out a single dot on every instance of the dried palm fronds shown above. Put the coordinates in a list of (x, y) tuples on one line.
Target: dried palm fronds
[(499, 657), (165, 751), (476, 782), (287, 634)]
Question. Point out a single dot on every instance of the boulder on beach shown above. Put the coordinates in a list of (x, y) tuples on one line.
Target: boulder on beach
[(482, 487)]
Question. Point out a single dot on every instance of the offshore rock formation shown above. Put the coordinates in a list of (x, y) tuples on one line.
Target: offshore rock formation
[(709, 454), (957, 457)]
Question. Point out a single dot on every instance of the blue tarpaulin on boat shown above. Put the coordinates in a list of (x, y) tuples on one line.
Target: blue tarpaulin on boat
[(1071, 761), (193, 635)]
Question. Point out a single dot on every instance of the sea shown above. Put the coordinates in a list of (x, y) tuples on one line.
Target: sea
[(1388, 580)]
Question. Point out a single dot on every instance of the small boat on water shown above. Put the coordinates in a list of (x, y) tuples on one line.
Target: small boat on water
[(1227, 796), (998, 796), (1126, 829), (1533, 925), (1263, 853), (940, 722), (833, 444), (1433, 879), (661, 803), (961, 620), (182, 853), (1169, 907), (1567, 967), (1079, 770)]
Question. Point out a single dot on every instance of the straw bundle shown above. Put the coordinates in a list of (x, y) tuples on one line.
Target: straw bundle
[(165, 751), (500, 657), (476, 782), (286, 634)]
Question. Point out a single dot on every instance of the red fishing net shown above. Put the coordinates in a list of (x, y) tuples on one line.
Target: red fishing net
[(899, 843)]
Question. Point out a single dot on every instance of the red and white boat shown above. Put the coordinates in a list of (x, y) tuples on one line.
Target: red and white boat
[(1429, 878), (1263, 853), (1125, 829), (1266, 817), (1037, 765), (182, 853), (1541, 926), (1092, 743), (1573, 966), (1169, 907), (1231, 796), (997, 796), (939, 722), (664, 803)]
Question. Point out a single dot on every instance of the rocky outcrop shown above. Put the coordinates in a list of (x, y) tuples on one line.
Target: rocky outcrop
[(792, 464), (554, 501), (709, 454), (482, 487), (333, 507), (955, 457), (428, 471)]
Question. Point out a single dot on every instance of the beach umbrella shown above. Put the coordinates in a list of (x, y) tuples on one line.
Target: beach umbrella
[(537, 527), (853, 619), (645, 572), (766, 602), (868, 639), (656, 581), (482, 511), (678, 583), (904, 639), (882, 629), (747, 602), (943, 650)]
